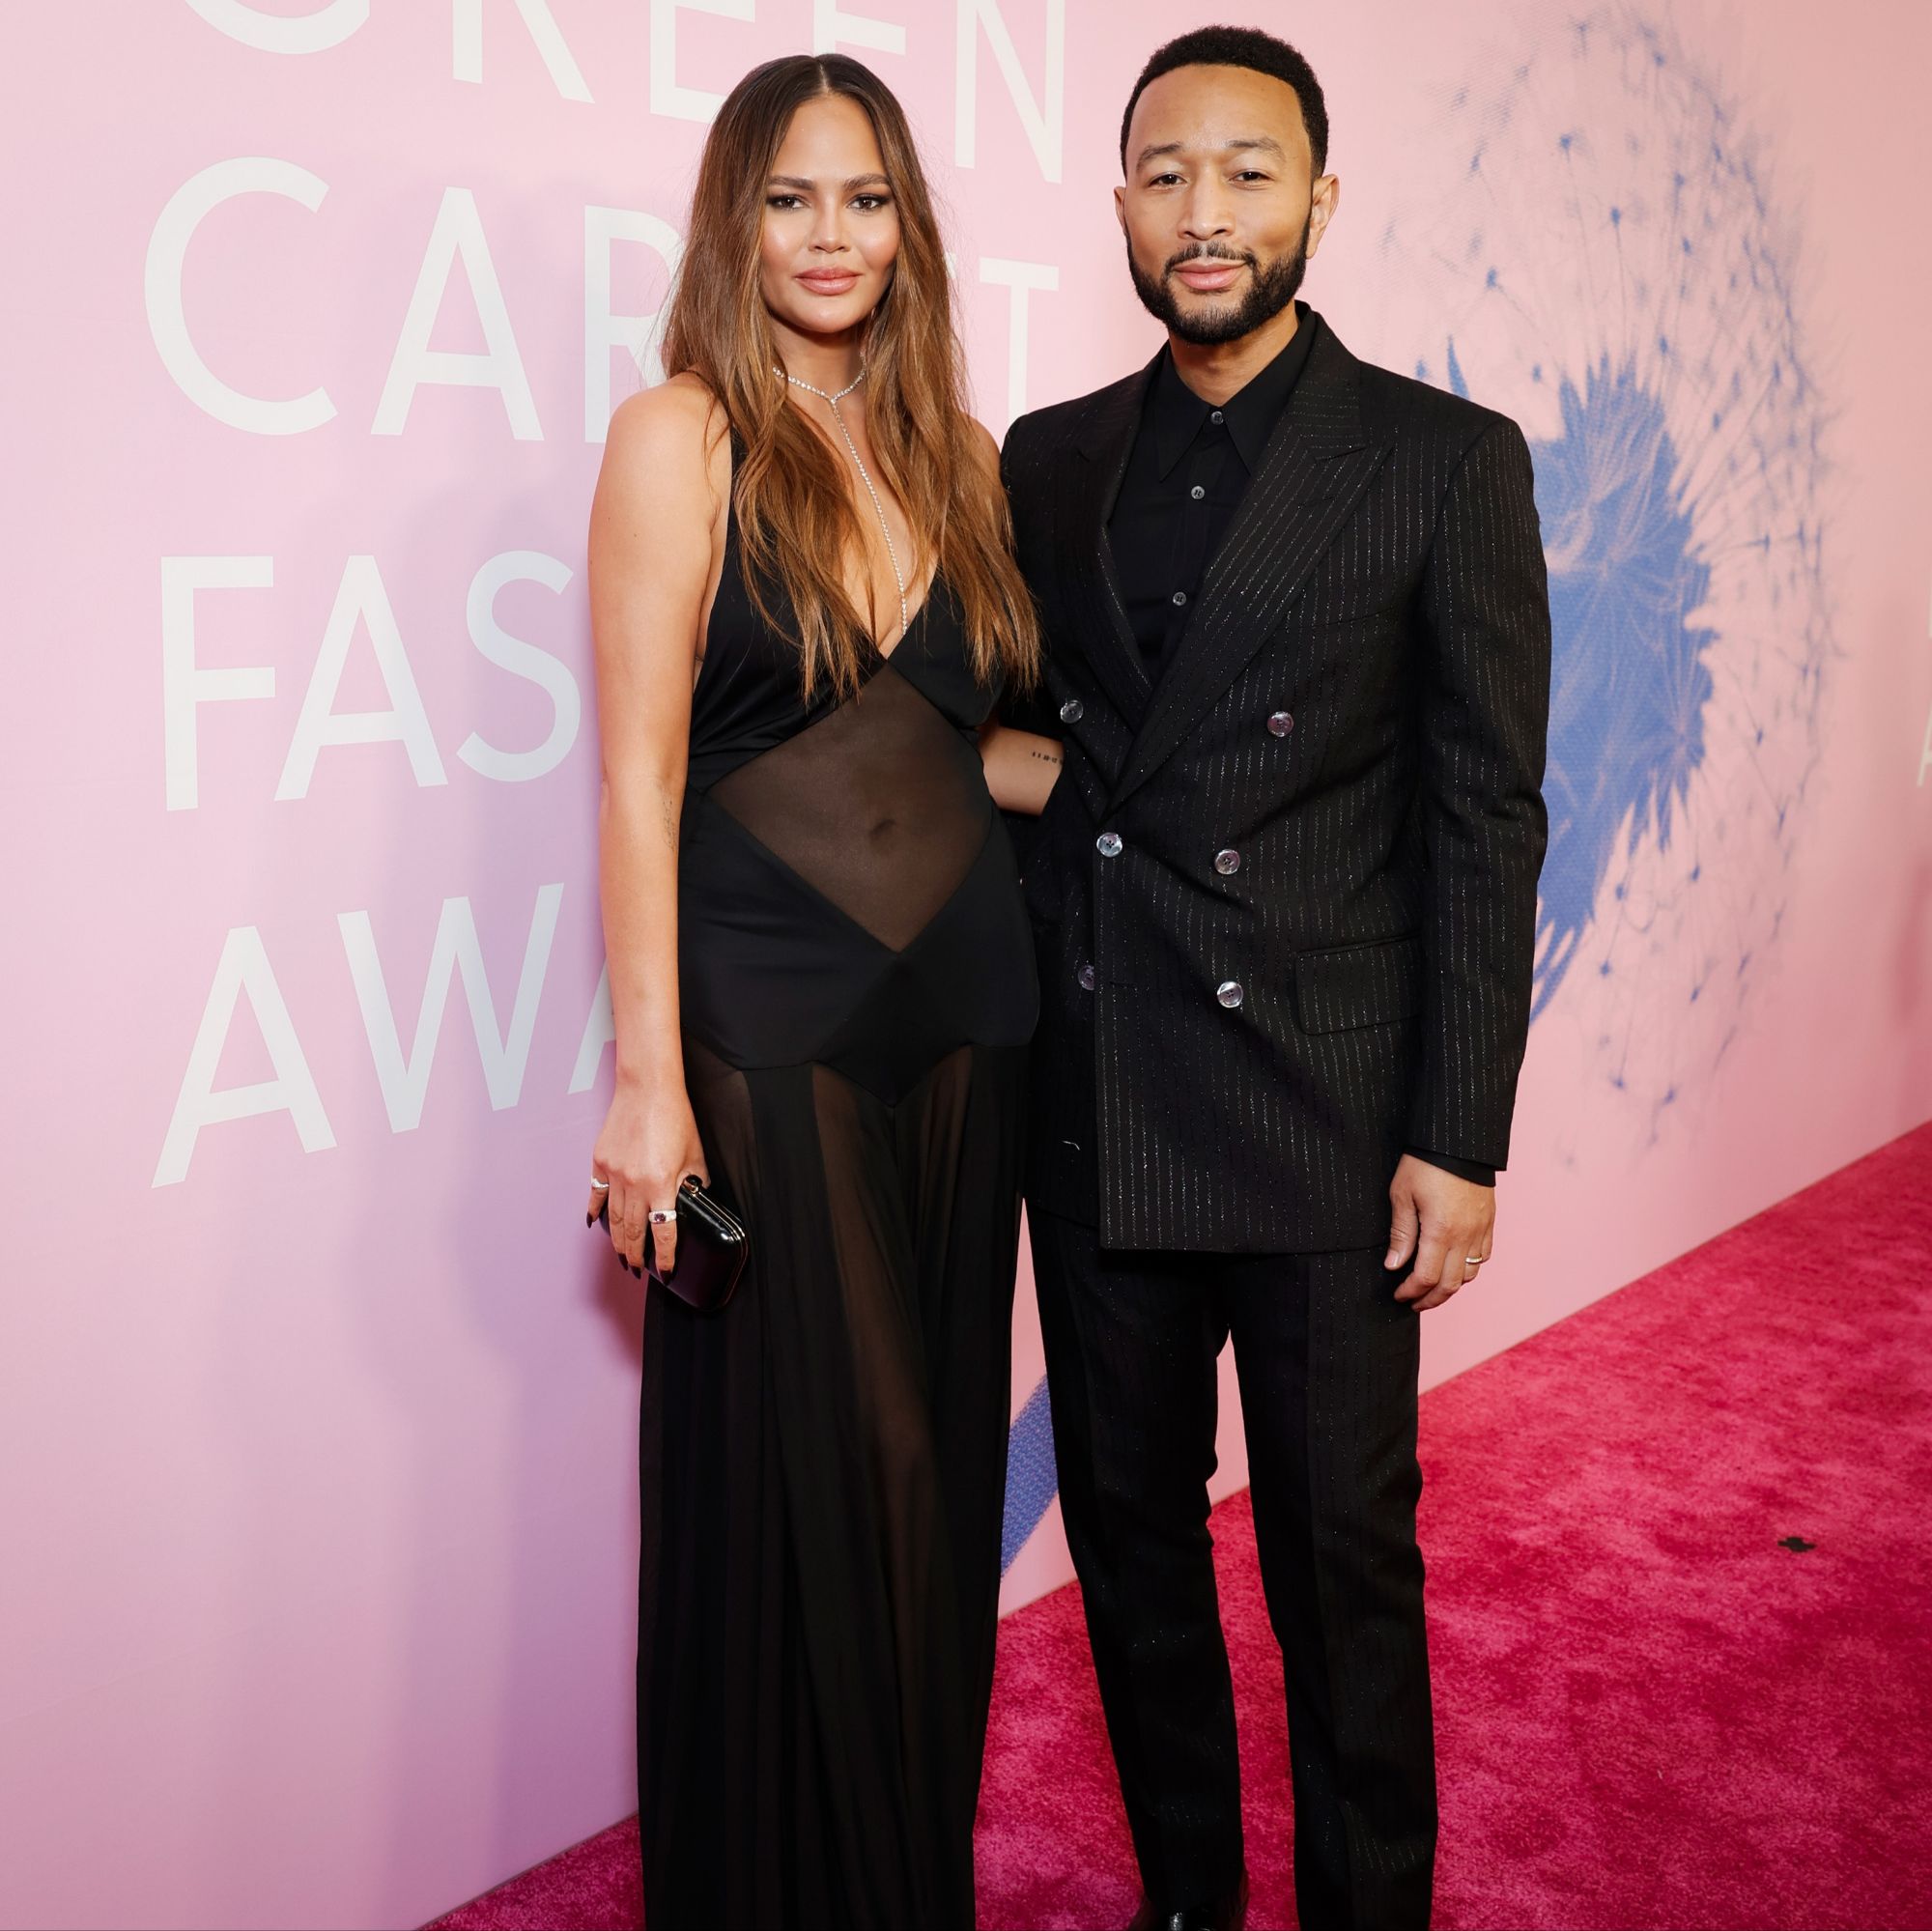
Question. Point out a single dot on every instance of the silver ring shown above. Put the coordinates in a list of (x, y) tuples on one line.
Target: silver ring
[(602, 1186), (1474, 1260), (658, 1215)]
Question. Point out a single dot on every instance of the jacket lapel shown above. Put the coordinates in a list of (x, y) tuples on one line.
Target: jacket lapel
[(1094, 601), (1315, 466)]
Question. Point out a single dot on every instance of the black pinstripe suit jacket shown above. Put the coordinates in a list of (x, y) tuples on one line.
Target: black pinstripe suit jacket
[(1382, 586)]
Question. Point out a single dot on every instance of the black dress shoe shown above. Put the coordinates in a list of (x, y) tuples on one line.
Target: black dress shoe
[(1223, 1914)]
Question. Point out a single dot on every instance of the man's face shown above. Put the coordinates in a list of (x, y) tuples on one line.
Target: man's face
[(1222, 208)]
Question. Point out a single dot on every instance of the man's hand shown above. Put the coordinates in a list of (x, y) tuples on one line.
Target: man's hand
[(1454, 1221)]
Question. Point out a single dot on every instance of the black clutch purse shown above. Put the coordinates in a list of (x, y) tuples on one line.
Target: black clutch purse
[(711, 1249)]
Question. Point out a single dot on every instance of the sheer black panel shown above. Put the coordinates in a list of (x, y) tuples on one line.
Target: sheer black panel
[(880, 806)]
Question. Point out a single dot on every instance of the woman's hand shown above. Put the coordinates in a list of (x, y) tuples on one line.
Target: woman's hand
[(648, 1144)]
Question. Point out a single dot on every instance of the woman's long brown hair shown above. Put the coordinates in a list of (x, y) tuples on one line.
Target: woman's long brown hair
[(796, 516)]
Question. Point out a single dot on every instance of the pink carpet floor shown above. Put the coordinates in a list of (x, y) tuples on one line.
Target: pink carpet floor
[(1680, 1599)]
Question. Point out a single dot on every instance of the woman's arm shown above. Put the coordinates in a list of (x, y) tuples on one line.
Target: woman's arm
[(1020, 766), (651, 536)]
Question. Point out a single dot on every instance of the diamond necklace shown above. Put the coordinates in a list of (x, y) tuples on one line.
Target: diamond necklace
[(878, 508)]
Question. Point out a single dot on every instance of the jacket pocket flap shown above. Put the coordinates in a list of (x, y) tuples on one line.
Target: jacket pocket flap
[(1358, 985)]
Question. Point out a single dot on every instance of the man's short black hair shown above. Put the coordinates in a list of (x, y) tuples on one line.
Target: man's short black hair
[(1240, 46)]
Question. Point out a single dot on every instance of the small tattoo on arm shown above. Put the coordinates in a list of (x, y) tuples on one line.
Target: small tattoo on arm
[(1045, 756), (671, 823)]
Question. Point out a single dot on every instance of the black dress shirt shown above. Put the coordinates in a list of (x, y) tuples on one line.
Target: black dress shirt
[(1190, 466), (1186, 474)]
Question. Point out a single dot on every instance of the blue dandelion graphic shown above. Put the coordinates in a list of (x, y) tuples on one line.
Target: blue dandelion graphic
[(1627, 710), (1608, 265), (1031, 1479)]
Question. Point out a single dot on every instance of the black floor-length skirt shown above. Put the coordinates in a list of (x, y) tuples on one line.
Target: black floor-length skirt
[(823, 1466)]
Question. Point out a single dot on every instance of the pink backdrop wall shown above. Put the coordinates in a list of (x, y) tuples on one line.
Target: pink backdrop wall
[(317, 1406)]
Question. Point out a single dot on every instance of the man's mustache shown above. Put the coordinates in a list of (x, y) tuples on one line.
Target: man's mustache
[(1174, 261)]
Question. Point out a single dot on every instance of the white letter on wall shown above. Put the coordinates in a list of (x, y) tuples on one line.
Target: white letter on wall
[(405, 1085), (830, 28), (667, 97), (244, 967), (522, 659), (458, 231), (544, 31), (1022, 278), (361, 594), (167, 317), (285, 34), (1045, 123), (182, 685), (637, 335), (600, 1029)]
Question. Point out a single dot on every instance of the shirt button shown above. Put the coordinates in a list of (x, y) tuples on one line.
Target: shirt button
[(1214, 416), (1087, 977), (1197, 493), (1108, 844), (1279, 723), (1072, 711), (1179, 598), (1227, 861), (1229, 992)]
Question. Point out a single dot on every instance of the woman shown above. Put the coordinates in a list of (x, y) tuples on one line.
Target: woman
[(804, 607)]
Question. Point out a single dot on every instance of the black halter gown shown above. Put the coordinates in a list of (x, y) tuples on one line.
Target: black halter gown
[(823, 1462)]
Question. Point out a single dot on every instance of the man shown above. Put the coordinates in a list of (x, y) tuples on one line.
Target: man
[(1284, 896)]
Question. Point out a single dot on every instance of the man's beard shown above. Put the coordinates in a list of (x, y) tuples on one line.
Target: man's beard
[(1270, 290)]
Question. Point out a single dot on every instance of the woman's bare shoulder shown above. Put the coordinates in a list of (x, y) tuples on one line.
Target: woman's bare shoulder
[(667, 434)]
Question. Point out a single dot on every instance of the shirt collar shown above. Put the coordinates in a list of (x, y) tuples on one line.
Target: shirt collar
[(1176, 415)]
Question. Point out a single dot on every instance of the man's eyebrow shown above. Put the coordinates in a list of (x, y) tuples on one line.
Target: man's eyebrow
[(1264, 144), (854, 182)]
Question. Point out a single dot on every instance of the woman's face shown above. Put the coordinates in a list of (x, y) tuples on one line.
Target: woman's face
[(831, 231)]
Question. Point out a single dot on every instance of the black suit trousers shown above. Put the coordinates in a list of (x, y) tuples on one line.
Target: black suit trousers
[(1327, 1362)]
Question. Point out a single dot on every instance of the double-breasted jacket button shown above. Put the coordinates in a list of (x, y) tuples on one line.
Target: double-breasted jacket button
[(1281, 723), (1227, 861), (1072, 711), (1108, 844), (1229, 992), (1087, 977)]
